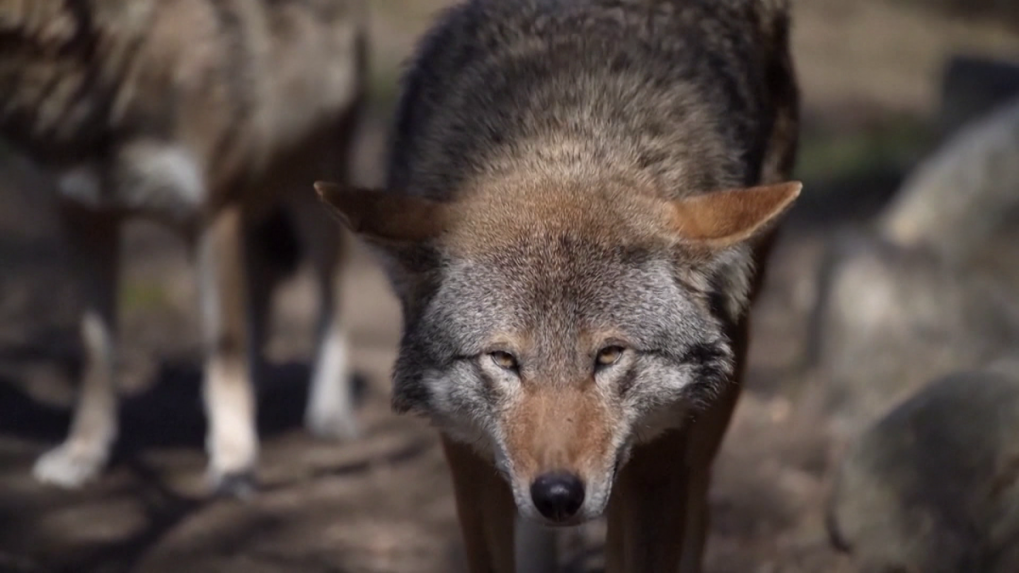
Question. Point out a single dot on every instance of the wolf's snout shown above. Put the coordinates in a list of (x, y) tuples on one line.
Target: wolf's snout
[(558, 496)]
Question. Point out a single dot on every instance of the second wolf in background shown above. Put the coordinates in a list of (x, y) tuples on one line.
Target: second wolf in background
[(205, 115)]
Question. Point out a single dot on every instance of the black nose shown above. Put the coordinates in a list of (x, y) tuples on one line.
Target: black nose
[(558, 496)]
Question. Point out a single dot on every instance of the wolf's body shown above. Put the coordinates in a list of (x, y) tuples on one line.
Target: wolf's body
[(575, 210), (205, 115)]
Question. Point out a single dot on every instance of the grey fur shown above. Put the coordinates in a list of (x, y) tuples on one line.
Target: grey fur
[(674, 93), (558, 125)]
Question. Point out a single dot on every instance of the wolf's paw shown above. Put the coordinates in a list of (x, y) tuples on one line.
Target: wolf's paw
[(70, 465), (232, 466), (237, 485), (331, 424)]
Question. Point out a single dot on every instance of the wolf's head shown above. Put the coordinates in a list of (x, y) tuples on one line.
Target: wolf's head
[(553, 326)]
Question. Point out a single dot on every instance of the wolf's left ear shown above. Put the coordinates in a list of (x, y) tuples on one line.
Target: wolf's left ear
[(384, 217), (724, 218)]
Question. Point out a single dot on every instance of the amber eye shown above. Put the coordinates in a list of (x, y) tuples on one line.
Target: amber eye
[(504, 360), (608, 356)]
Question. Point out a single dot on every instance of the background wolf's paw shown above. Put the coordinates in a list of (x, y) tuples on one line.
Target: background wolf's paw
[(330, 413), (238, 485), (69, 465), (331, 424)]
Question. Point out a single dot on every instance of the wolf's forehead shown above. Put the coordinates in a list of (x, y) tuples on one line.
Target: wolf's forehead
[(559, 292), (558, 274)]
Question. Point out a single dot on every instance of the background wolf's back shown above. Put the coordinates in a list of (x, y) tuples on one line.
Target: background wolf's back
[(234, 80)]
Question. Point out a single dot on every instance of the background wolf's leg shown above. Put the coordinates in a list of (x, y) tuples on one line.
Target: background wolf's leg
[(262, 275), (330, 409), (486, 510), (93, 238), (232, 439)]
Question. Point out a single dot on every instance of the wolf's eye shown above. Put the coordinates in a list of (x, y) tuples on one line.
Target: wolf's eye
[(608, 356), (504, 360)]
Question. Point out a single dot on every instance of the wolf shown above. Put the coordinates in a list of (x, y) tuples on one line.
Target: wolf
[(209, 116), (580, 198)]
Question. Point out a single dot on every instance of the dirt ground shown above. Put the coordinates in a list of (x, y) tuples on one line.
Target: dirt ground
[(383, 503)]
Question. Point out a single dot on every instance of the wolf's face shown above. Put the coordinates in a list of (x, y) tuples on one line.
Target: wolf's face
[(555, 353), (554, 331)]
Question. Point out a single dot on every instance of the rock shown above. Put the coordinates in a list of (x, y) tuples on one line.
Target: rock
[(892, 318), (931, 288), (959, 197), (933, 487)]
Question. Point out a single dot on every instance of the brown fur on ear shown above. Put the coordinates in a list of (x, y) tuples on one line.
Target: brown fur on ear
[(384, 216), (723, 218)]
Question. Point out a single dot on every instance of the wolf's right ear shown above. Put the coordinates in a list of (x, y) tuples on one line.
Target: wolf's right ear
[(384, 217)]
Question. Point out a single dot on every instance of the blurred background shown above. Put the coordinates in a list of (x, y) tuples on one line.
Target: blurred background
[(898, 266)]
